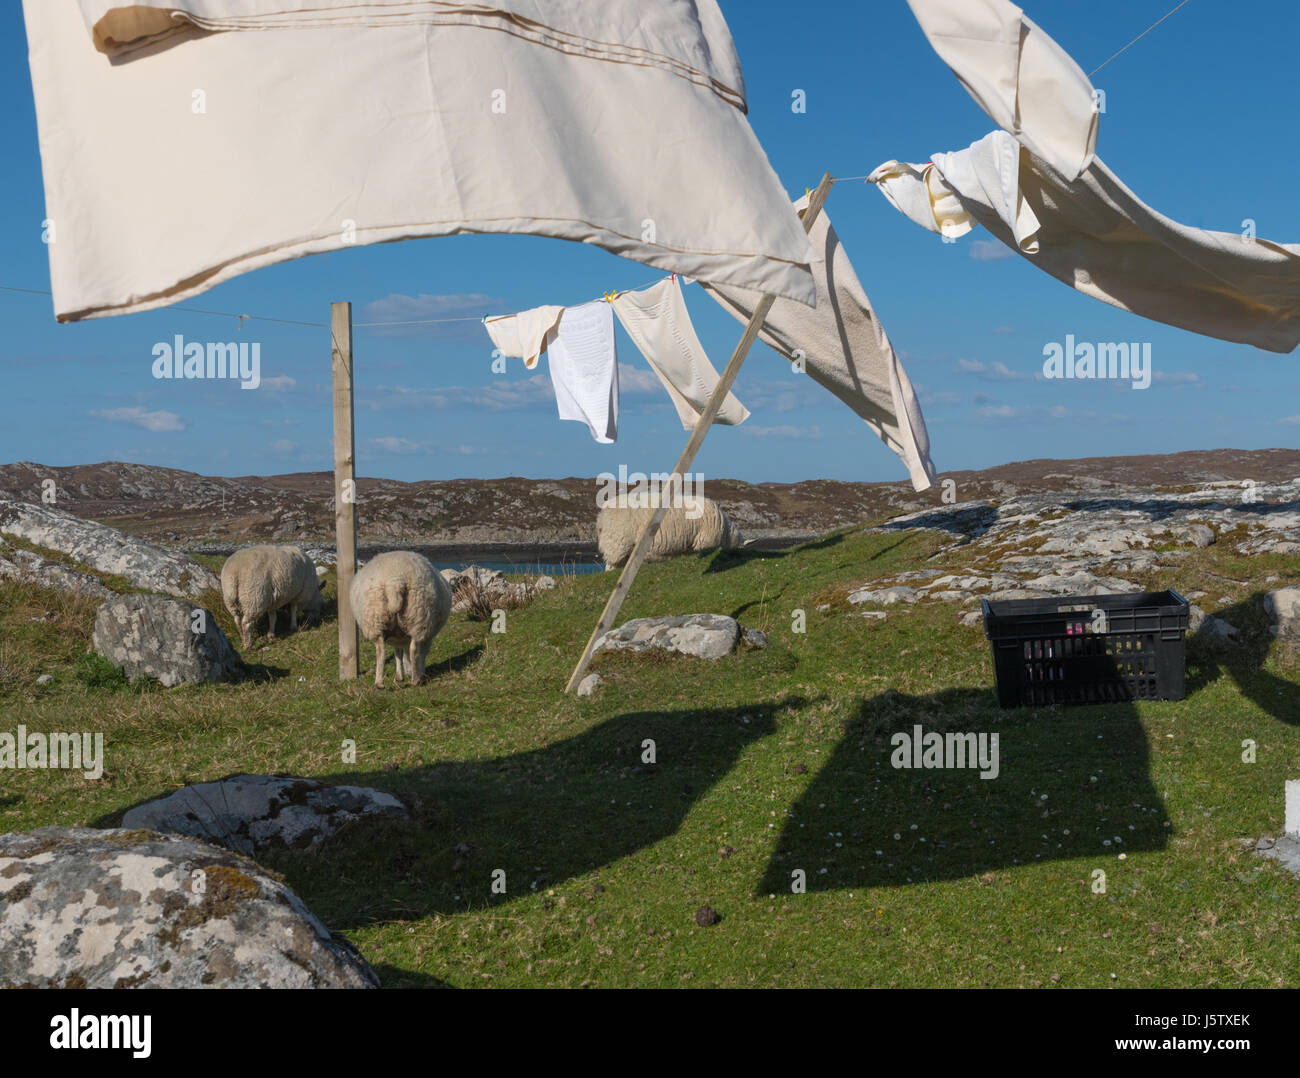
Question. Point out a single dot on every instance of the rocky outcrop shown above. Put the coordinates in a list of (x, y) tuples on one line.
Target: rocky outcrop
[(1047, 544), (106, 550), (252, 813), (177, 643), (28, 567), (87, 908), (705, 636)]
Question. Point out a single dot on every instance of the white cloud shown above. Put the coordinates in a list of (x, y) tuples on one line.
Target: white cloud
[(1292, 419), (786, 431), (633, 381), (154, 421), (1041, 413), (279, 381), (392, 444), (990, 251), (1176, 378), (284, 445), (996, 370)]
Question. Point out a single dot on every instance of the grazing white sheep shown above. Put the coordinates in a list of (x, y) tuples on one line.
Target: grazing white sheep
[(619, 527), (401, 597), (263, 580)]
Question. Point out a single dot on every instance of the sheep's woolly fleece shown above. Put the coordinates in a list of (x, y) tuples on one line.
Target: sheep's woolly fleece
[(618, 527), (259, 581), (400, 596)]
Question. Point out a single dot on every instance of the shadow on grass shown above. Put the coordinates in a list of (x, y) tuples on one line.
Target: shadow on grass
[(1068, 780), (542, 816), (395, 977), (1244, 660), (455, 662), (720, 561), (261, 672)]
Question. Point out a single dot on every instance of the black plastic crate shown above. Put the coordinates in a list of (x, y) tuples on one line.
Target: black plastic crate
[(1089, 649)]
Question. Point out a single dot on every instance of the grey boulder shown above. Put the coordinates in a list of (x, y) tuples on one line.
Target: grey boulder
[(89, 908), (705, 636), (1283, 609), (175, 642), (1208, 628), (251, 813)]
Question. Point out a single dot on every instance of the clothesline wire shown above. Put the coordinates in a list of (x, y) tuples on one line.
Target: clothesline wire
[(192, 310), (1139, 37)]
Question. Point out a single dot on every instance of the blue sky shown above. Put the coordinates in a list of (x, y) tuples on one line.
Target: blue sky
[(1198, 123)]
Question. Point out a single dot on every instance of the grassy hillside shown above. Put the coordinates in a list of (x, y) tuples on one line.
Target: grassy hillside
[(766, 762)]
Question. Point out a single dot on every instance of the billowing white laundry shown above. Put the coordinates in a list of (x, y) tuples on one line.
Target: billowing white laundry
[(919, 194), (524, 335), (193, 157), (1098, 237), (583, 360), (844, 349), (1029, 85), (657, 321), (615, 30), (932, 194)]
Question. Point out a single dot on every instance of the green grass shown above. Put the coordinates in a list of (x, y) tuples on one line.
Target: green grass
[(766, 762)]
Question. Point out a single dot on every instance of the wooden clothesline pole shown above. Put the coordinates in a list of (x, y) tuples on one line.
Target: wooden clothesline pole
[(720, 391), (345, 518)]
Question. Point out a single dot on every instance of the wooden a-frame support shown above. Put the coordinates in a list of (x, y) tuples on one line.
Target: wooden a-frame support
[(720, 391)]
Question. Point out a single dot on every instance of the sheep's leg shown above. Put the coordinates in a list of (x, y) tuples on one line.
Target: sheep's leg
[(398, 661), (379, 663), (270, 625), (293, 618), (415, 662), (246, 632)]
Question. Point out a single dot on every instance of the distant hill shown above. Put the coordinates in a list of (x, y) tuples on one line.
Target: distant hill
[(185, 509)]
